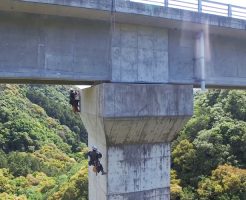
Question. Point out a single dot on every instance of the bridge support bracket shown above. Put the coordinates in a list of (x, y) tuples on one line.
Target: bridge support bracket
[(133, 125)]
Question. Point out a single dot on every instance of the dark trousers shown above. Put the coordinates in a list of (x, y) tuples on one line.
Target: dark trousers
[(75, 105), (97, 164)]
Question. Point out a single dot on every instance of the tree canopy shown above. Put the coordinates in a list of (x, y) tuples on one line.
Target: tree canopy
[(212, 147), (41, 145)]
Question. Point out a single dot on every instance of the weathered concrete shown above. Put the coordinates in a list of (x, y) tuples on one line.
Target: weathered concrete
[(224, 59), (37, 47), (125, 12), (139, 171), (158, 46), (132, 125), (63, 49), (139, 54)]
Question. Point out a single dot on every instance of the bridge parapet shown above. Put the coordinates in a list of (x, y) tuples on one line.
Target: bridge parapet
[(201, 6)]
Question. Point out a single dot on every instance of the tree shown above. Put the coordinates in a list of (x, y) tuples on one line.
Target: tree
[(175, 187), (21, 164), (215, 136), (184, 155), (227, 182)]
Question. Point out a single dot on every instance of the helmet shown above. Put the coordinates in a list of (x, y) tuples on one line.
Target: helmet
[(94, 148)]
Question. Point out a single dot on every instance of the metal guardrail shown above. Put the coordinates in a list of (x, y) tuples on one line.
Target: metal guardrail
[(201, 6)]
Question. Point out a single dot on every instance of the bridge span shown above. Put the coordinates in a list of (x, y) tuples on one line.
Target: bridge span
[(119, 41), (144, 61)]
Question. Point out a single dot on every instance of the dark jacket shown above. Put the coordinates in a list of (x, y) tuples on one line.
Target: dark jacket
[(72, 97), (94, 156)]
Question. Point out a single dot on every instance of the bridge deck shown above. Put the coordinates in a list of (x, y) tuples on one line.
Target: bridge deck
[(96, 41)]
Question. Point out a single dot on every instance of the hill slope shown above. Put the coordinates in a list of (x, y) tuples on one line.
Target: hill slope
[(42, 149), (211, 149), (40, 157)]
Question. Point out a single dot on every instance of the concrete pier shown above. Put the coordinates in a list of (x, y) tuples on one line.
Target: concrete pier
[(155, 49), (132, 125)]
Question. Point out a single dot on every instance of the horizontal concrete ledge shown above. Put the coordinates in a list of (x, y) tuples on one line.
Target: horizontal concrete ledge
[(158, 193), (135, 131), (88, 9), (151, 130), (156, 112), (136, 118), (165, 190), (130, 12), (93, 4), (225, 82), (143, 150), (49, 79), (50, 76), (43, 81)]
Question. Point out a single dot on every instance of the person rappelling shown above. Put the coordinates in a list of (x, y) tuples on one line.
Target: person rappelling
[(74, 99), (94, 156)]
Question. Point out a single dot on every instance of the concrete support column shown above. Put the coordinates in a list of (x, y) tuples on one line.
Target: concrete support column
[(200, 71), (133, 125)]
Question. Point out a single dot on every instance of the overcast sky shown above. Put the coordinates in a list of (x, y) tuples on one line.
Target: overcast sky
[(234, 2)]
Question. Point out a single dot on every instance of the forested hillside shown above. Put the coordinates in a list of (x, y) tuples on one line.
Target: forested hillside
[(43, 145), (209, 155), (41, 148)]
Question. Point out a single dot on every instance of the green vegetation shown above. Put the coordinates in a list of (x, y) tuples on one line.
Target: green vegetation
[(54, 100), (43, 145), (209, 155), (41, 148)]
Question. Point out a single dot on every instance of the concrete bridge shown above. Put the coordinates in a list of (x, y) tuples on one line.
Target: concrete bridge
[(144, 61)]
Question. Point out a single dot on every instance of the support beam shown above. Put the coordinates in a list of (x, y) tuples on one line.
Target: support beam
[(133, 125), (202, 59)]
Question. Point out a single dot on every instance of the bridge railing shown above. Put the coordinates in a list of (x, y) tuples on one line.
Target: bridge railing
[(202, 6)]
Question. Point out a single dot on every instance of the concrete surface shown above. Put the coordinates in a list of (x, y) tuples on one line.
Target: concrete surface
[(126, 12), (139, 54), (132, 125), (225, 59), (51, 48), (139, 171), (63, 49), (129, 112)]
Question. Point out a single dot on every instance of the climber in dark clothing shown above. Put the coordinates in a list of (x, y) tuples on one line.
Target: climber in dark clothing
[(95, 155), (74, 99), (71, 96)]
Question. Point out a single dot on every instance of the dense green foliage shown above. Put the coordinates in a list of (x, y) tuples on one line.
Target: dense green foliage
[(42, 147), (41, 150), (209, 155), (51, 99)]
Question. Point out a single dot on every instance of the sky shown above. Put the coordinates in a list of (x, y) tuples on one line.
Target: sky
[(207, 6), (234, 2)]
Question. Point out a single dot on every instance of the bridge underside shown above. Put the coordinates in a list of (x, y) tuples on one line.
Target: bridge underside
[(40, 47)]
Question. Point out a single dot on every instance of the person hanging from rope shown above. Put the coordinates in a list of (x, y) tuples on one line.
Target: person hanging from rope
[(74, 100), (94, 156)]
